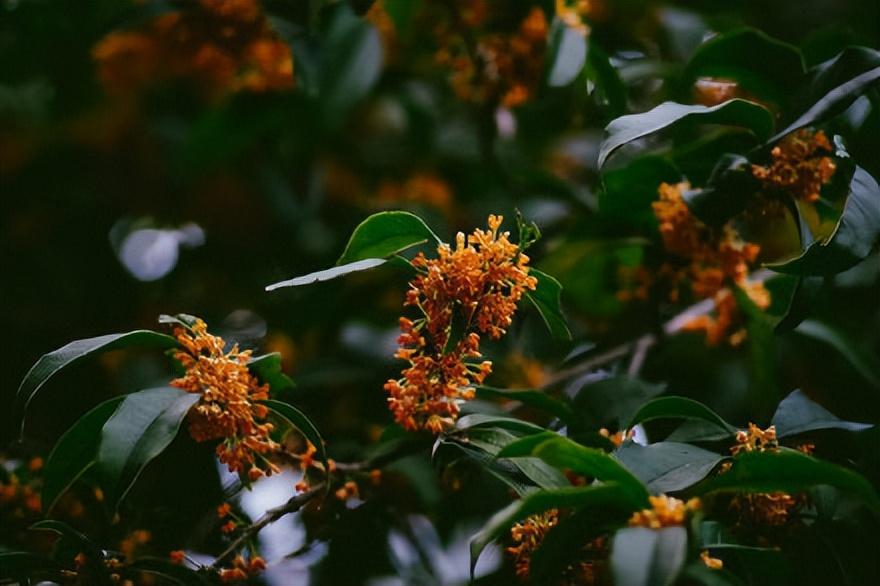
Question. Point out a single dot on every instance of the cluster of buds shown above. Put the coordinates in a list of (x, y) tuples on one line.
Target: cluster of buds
[(243, 569), (665, 511), (492, 66), (223, 45), (228, 409), (716, 259), (478, 285), (762, 508), (799, 165), (528, 536)]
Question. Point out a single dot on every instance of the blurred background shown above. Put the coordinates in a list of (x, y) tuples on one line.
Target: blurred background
[(165, 157)]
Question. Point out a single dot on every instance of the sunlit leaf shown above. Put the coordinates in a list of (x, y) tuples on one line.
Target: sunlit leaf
[(385, 234)]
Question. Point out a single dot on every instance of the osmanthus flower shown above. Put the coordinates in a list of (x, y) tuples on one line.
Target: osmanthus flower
[(716, 260), (528, 535), (762, 508), (229, 408), (665, 511), (800, 165), (222, 45), (475, 286)]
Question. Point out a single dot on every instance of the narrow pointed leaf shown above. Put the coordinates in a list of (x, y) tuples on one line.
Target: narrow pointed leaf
[(328, 274), (736, 112), (49, 364), (300, 421), (546, 299), (75, 452), (143, 426)]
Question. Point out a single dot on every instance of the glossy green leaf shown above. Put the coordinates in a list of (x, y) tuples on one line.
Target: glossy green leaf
[(680, 408), (268, 369), (648, 557), (591, 462), (761, 65), (736, 112), (728, 192), (581, 497), (566, 54), (484, 419), (667, 466), (300, 421), (789, 471), (531, 397), (328, 274), (493, 441), (798, 414), (614, 400), (74, 452), (546, 299), (853, 238), (525, 446), (141, 428), (49, 364), (833, 86), (385, 234)]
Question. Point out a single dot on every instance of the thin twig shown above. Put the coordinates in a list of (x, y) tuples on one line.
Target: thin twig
[(294, 504)]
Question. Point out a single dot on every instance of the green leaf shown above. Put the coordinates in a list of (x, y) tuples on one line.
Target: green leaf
[(328, 274), (847, 348), (581, 497), (494, 440), (351, 62), (566, 54), (525, 446), (614, 400), (49, 364), (75, 452), (484, 419), (736, 112), (629, 191), (568, 455), (680, 408), (667, 466), (164, 568), (789, 471), (80, 541), (20, 565), (761, 65), (609, 87), (853, 238), (728, 192), (141, 428), (648, 557), (546, 299), (798, 414), (268, 369), (833, 86), (532, 398), (385, 234), (300, 421)]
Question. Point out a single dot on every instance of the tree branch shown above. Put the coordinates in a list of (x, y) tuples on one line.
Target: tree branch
[(294, 504)]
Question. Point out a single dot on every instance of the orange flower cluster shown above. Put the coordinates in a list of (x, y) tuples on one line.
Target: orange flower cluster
[(716, 257), (229, 408), (763, 508), (243, 569), (665, 511), (574, 13), (800, 165), (477, 284), (221, 45), (530, 533), (498, 67)]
